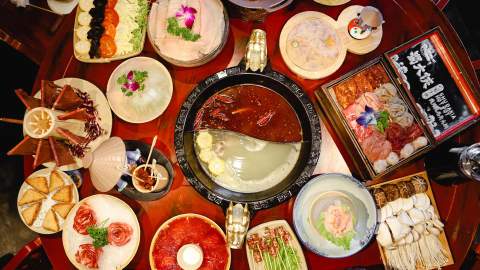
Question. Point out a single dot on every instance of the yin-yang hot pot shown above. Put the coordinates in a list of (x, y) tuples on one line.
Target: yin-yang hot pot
[(187, 126)]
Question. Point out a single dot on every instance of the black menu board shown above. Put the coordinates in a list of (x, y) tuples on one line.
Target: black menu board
[(441, 94)]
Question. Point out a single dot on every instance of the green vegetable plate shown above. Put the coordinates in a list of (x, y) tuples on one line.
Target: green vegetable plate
[(116, 231), (334, 215), (273, 245)]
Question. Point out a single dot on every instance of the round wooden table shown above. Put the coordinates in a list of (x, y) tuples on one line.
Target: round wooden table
[(458, 205)]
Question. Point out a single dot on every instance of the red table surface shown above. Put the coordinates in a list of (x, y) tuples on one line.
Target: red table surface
[(458, 205)]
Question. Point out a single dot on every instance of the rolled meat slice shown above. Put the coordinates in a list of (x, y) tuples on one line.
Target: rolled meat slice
[(119, 233), (88, 255), (84, 218)]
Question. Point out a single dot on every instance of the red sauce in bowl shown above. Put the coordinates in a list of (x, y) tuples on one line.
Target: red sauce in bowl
[(190, 230), (252, 110)]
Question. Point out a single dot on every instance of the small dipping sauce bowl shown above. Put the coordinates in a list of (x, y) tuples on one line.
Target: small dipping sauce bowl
[(141, 178)]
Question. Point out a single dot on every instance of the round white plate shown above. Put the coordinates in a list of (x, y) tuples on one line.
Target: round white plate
[(47, 203), (62, 7), (290, 25), (104, 117), (107, 208), (332, 2), (146, 105), (363, 208), (167, 223)]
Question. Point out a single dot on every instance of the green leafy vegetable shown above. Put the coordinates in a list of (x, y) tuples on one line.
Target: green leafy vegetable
[(342, 241), (99, 235), (382, 121), (174, 28), (141, 20)]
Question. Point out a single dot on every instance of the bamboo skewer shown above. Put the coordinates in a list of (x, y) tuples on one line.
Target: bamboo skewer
[(151, 149), (11, 120)]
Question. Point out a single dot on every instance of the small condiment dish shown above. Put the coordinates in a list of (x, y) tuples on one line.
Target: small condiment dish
[(159, 173)]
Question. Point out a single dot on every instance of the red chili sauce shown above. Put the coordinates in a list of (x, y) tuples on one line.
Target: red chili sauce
[(190, 230), (252, 110)]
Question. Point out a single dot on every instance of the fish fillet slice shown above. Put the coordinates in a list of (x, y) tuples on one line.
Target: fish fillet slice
[(60, 152), (43, 153), (78, 114), (27, 100), (27, 146), (67, 99), (76, 139)]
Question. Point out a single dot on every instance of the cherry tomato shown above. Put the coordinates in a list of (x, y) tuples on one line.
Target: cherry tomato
[(111, 16), (107, 46), (110, 29)]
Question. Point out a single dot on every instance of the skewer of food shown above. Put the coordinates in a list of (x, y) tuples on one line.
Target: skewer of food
[(110, 28), (409, 227), (273, 248)]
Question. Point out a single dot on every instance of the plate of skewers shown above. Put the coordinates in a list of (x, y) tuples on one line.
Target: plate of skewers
[(273, 245)]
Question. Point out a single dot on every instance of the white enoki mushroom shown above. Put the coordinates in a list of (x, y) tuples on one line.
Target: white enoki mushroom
[(410, 237)]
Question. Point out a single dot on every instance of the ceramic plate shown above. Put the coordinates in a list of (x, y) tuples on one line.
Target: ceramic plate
[(332, 2), (109, 209), (293, 243), (104, 117), (325, 190), (290, 26), (142, 105), (62, 7), (179, 229), (46, 203)]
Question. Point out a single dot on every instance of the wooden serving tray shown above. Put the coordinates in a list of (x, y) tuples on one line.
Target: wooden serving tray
[(87, 59), (442, 237)]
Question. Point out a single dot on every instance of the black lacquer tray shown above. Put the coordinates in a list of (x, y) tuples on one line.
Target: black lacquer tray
[(309, 152), (130, 190)]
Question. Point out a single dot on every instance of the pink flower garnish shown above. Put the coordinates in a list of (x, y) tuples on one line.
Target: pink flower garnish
[(131, 85), (187, 14)]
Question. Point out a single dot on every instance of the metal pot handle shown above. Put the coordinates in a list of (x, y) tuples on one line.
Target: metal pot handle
[(256, 52)]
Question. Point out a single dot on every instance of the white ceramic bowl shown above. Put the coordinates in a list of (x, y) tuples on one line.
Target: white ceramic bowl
[(319, 193), (161, 182), (146, 105)]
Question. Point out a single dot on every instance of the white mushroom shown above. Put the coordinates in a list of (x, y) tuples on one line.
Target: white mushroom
[(380, 165), (433, 230), (398, 229), (438, 224), (405, 218), (407, 150), (392, 158), (416, 235), (409, 238), (416, 215), (419, 142), (401, 242), (422, 201), (396, 205), (407, 203), (384, 237), (420, 228), (385, 212)]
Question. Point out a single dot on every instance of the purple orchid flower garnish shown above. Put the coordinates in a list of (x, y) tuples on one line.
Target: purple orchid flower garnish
[(131, 84), (187, 14), (368, 117)]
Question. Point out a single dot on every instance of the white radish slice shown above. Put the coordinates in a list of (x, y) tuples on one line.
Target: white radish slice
[(82, 47), (206, 155), (82, 32), (85, 5), (216, 166), (84, 18), (204, 140)]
